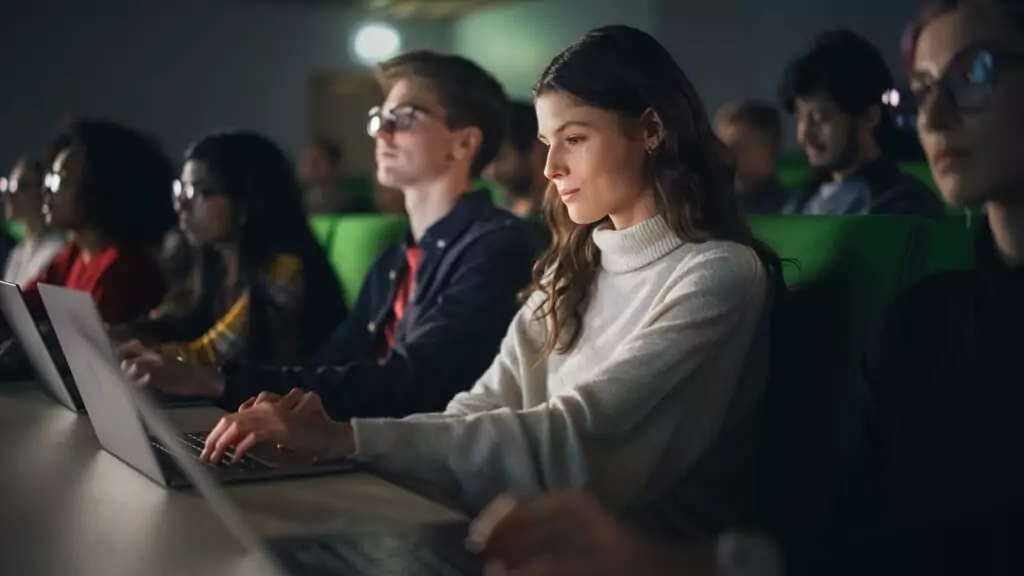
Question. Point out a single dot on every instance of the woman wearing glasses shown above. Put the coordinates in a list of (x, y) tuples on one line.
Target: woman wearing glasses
[(23, 205), (263, 286), (107, 192)]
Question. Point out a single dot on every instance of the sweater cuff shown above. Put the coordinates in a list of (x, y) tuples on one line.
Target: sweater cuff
[(373, 439)]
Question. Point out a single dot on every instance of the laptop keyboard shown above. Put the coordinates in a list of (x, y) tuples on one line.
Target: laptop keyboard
[(425, 551), (195, 442)]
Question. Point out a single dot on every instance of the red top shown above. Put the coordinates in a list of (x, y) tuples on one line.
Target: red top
[(413, 255), (125, 283)]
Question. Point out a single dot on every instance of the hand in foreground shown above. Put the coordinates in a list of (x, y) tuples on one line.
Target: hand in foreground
[(296, 421), (170, 376), (570, 535), (559, 535)]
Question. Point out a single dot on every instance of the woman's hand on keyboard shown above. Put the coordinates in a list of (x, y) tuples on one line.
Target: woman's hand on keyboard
[(296, 421)]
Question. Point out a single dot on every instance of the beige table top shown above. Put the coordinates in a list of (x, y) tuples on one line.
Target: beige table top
[(69, 507)]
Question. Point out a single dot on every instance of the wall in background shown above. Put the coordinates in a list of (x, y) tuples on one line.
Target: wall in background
[(178, 68), (515, 42)]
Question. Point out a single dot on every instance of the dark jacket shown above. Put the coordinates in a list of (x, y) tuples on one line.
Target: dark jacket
[(889, 191), (475, 261), (935, 485), (767, 197)]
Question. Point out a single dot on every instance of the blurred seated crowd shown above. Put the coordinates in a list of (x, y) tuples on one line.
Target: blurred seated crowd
[(575, 333)]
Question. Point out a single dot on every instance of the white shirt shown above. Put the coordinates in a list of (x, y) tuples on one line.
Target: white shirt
[(651, 411), (30, 257)]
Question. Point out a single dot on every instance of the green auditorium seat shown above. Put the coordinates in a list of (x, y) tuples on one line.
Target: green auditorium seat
[(843, 272), (921, 171), (497, 195), (14, 229), (356, 242), (323, 228)]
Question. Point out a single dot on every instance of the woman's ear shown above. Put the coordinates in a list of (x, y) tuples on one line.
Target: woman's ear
[(654, 130)]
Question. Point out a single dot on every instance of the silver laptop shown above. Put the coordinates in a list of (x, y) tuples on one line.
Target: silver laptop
[(36, 350), (76, 321), (430, 550)]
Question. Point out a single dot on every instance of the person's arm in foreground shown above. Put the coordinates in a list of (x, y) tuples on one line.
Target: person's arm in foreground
[(568, 534)]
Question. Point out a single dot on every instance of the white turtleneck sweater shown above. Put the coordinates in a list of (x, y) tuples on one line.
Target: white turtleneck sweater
[(653, 411)]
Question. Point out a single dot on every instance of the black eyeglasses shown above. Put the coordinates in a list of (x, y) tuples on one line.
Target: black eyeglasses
[(396, 119), (969, 80)]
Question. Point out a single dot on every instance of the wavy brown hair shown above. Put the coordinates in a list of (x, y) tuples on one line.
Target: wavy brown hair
[(626, 71)]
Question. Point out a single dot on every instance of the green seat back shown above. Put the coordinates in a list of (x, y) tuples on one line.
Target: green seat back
[(356, 242), (497, 194), (14, 229), (322, 226), (921, 171), (845, 270)]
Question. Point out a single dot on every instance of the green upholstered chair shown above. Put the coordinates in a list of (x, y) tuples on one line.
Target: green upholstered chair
[(921, 171), (14, 229), (843, 271), (497, 194), (322, 226), (356, 241)]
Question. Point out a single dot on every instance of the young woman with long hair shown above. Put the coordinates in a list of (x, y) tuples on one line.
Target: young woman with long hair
[(635, 369)]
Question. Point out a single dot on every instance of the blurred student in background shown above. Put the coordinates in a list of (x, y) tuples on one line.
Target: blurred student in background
[(23, 206), (264, 289), (752, 130), (322, 172), (519, 167), (835, 92), (109, 191), (434, 306)]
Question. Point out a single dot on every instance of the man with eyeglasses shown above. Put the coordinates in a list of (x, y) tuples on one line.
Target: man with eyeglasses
[(435, 306)]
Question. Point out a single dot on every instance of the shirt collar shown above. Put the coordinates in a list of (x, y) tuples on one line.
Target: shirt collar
[(466, 211)]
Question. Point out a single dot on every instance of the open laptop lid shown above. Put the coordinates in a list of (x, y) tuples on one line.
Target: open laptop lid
[(27, 332), (113, 415), (157, 425)]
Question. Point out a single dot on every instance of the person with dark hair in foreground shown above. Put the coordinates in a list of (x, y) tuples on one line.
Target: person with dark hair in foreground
[(935, 486), (432, 311), (635, 369), (519, 166), (321, 172), (110, 191), (753, 132), (265, 291), (835, 92), (23, 205)]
